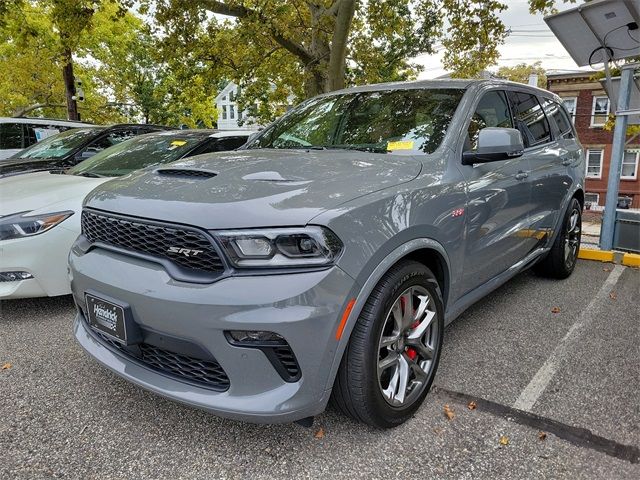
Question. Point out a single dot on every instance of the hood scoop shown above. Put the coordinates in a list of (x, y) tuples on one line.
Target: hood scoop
[(186, 172)]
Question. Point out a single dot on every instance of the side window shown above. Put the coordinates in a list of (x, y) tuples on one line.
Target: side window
[(220, 145), (106, 141), (36, 132), (530, 119), (10, 136), (559, 116), (492, 111)]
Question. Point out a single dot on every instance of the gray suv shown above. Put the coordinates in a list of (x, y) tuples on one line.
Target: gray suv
[(323, 259)]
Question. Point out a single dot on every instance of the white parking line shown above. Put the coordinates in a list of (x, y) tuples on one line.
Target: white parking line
[(540, 381)]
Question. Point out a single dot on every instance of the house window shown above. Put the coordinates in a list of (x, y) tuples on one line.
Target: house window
[(232, 96), (591, 199), (594, 163), (224, 112), (599, 111), (630, 165), (232, 113), (571, 104)]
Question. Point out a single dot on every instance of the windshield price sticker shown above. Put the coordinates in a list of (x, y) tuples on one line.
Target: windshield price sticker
[(402, 145)]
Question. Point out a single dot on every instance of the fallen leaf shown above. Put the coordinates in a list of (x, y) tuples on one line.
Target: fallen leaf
[(542, 436), (613, 295), (606, 269), (504, 440), (449, 412), (6, 366), (555, 310), (437, 430), (319, 433), (472, 405)]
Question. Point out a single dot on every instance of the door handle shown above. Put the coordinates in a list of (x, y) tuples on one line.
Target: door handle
[(566, 161), (521, 175)]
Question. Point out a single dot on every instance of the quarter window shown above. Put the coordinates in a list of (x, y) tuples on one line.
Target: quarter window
[(594, 163), (599, 111), (630, 164), (492, 111), (530, 119)]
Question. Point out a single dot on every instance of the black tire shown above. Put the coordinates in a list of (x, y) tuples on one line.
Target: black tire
[(557, 264), (357, 391)]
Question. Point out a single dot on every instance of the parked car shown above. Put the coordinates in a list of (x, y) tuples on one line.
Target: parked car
[(69, 148), (19, 133), (40, 212), (324, 259)]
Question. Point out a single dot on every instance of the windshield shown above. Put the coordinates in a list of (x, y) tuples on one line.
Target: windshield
[(58, 146), (136, 153), (395, 121)]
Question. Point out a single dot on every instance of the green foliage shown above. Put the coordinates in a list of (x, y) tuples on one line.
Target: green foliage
[(520, 73)]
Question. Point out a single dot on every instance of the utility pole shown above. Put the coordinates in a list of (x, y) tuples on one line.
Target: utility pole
[(617, 153), (70, 87)]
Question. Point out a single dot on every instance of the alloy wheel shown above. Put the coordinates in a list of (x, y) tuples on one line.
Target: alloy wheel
[(572, 238), (406, 349)]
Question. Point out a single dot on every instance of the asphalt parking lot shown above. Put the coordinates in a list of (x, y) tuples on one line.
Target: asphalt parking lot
[(562, 358)]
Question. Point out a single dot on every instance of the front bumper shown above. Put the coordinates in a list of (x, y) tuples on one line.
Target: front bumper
[(304, 308), (44, 256)]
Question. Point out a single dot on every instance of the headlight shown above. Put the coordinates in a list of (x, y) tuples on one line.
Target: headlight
[(20, 225), (281, 247)]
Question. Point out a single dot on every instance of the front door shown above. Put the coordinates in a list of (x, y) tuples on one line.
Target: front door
[(497, 219)]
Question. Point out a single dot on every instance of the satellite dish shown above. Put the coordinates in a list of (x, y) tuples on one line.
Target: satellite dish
[(599, 31)]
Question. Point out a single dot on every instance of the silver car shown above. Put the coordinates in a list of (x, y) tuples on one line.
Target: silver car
[(323, 259)]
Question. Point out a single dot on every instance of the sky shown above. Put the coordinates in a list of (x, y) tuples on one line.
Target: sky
[(530, 41)]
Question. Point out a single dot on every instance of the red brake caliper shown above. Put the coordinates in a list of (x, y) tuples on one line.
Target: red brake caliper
[(411, 352)]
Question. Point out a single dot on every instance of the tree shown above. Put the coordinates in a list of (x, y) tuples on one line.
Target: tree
[(520, 73), (67, 22)]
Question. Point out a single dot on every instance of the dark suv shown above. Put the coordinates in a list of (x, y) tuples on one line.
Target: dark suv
[(324, 258), (70, 147)]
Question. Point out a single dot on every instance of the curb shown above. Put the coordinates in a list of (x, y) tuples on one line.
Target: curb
[(628, 259)]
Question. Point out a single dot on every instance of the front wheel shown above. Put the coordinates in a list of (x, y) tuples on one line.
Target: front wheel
[(562, 258), (393, 352)]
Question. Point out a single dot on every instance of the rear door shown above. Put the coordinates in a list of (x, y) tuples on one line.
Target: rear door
[(498, 200), (543, 152)]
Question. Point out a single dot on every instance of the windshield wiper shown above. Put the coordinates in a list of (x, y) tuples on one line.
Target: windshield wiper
[(360, 148)]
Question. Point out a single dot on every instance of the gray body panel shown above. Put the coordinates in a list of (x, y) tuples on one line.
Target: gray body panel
[(382, 207)]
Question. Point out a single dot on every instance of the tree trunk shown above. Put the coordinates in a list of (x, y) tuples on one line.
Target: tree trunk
[(70, 87), (338, 58)]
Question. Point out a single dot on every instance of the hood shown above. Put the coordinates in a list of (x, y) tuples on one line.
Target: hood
[(43, 192), (253, 188)]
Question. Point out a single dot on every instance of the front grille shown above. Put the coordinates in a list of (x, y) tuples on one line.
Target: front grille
[(180, 172), (206, 373), (185, 247)]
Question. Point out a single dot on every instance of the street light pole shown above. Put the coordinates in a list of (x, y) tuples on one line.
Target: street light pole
[(617, 154)]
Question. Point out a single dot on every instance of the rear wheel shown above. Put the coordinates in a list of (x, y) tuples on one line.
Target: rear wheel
[(562, 258), (394, 349)]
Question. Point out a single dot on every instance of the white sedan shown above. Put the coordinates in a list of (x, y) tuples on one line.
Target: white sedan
[(40, 212)]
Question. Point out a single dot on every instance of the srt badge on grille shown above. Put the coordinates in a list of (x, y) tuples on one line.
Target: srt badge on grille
[(187, 252)]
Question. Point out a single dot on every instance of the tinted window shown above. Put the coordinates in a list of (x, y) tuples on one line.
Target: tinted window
[(492, 111), (36, 132), (139, 152), (530, 119), (558, 116), (107, 141), (58, 146), (10, 135), (396, 121)]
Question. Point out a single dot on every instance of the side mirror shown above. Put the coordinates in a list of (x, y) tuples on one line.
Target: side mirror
[(494, 144)]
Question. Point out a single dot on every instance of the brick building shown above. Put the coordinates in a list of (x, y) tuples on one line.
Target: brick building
[(588, 103)]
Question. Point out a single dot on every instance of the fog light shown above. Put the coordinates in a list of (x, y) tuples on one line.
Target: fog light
[(14, 276), (254, 337)]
